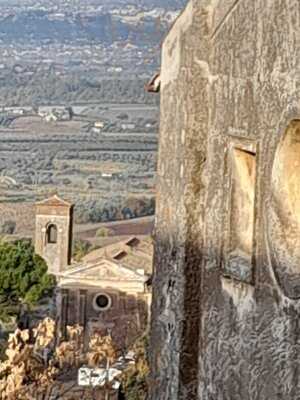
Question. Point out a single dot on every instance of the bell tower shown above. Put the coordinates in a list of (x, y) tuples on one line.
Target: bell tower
[(53, 233)]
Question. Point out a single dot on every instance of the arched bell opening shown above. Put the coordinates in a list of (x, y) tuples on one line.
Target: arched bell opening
[(51, 234)]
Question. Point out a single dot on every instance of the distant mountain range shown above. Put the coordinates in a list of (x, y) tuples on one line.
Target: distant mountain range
[(93, 20), (39, 26), (170, 4), (66, 51)]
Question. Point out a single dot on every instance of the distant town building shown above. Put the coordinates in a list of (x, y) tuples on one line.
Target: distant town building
[(51, 117), (99, 124), (98, 127), (55, 114), (128, 126), (115, 69), (17, 110)]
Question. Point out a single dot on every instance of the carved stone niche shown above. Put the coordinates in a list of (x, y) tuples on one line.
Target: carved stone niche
[(283, 213), (238, 251)]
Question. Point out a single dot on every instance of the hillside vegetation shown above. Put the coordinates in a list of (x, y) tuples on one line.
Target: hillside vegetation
[(46, 88)]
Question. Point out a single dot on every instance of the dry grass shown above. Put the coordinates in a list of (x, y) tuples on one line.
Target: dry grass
[(22, 213), (135, 227), (103, 167)]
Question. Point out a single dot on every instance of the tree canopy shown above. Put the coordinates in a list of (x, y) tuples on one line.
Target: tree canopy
[(23, 277)]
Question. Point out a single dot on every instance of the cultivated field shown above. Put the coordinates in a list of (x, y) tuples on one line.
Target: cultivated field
[(108, 173)]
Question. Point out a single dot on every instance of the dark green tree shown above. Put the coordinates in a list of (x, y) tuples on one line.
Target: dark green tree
[(23, 277)]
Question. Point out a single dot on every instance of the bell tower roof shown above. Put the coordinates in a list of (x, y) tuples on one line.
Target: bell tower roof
[(54, 201)]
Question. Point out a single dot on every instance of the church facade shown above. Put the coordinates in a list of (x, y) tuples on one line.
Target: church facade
[(226, 288), (108, 291)]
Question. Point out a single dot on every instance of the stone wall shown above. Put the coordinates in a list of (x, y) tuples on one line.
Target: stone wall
[(225, 310)]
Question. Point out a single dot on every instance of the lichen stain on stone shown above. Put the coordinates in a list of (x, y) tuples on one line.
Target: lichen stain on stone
[(242, 295), (205, 71)]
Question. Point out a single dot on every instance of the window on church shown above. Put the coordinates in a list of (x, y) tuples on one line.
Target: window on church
[(52, 234), (102, 302), (239, 249)]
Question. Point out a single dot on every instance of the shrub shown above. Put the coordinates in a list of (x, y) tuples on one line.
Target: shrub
[(80, 249), (8, 228), (103, 232)]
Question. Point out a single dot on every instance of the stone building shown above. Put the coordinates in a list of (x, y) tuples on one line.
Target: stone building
[(108, 291), (226, 296)]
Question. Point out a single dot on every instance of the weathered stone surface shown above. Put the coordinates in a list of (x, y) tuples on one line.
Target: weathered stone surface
[(230, 81)]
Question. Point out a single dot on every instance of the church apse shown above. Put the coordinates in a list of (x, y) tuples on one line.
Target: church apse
[(283, 213)]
